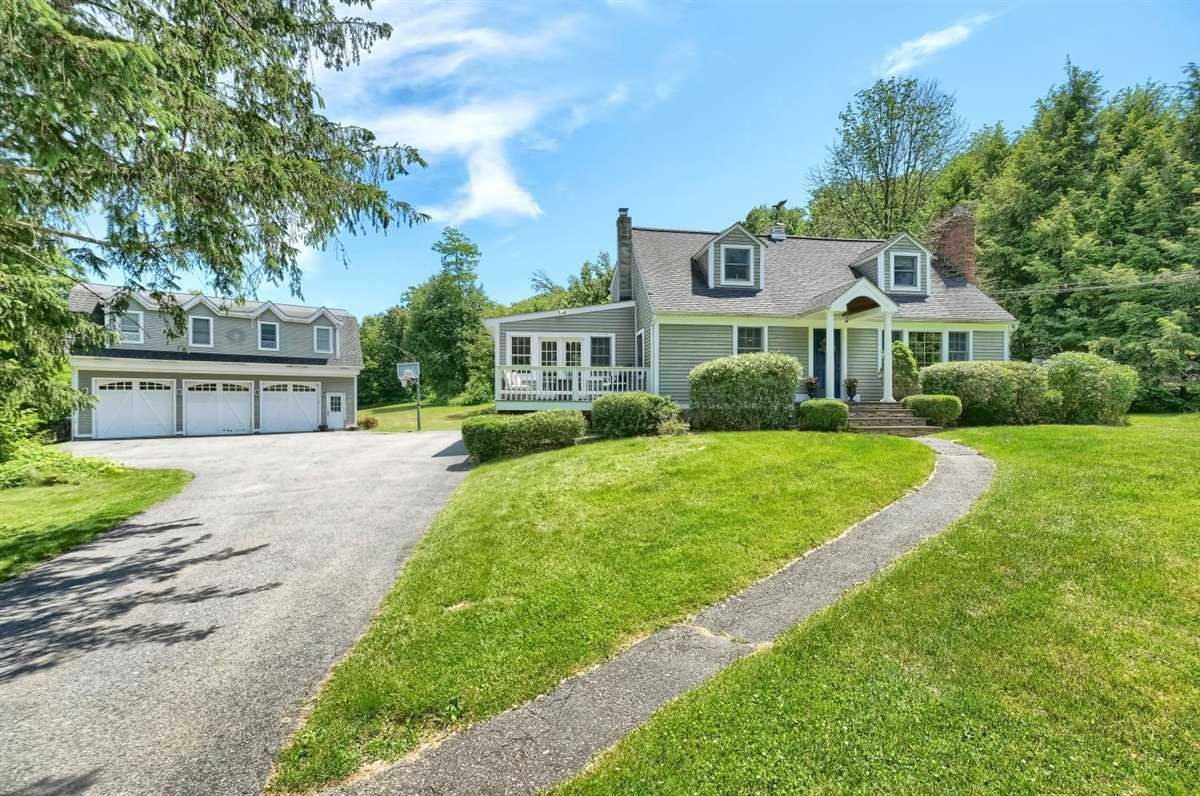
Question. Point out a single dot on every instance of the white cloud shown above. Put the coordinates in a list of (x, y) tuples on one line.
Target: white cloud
[(914, 52)]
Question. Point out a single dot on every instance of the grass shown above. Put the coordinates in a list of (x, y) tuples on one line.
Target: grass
[(39, 522), (1047, 643), (403, 416), (543, 565)]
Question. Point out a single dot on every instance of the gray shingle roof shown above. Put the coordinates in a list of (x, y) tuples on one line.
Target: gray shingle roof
[(86, 297), (798, 272)]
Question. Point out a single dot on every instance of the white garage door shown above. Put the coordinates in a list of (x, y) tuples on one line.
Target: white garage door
[(289, 406), (134, 408), (218, 407)]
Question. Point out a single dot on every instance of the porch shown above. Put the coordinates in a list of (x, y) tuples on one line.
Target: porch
[(565, 386)]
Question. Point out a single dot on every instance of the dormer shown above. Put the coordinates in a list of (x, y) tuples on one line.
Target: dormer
[(900, 266), (735, 258)]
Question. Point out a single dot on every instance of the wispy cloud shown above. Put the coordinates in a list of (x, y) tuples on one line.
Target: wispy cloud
[(914, 52)]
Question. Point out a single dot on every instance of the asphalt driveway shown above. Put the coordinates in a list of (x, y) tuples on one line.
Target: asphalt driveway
[(173, 655)]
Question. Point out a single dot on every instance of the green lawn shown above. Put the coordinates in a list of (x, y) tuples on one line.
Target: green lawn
[(39, 522), (543, 565), (403, 416), (1048, 643)]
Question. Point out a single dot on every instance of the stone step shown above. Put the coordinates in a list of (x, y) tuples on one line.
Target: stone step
[(889, 421), (880, 413), (895, 431)]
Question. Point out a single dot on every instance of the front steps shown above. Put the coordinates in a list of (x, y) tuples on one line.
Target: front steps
[(876, 417)]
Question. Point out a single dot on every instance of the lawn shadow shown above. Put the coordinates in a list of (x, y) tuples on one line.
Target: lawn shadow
[(75, 603)]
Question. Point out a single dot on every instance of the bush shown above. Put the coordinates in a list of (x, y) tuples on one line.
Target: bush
[(1094, 389), (673, 427), (941, 410), (33, 464), (992, 393), (905, 379), (823, 414), (1052, 407), (493, 436), (744, 392), (368, 422), (631, 414)]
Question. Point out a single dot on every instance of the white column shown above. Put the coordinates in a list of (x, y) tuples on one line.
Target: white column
[(887, 358), (945, 345), (845, 361), (830, 387), (1006, 335)]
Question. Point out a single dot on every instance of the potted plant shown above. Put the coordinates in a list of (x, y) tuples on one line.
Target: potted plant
[(851, 385), (810, 386)]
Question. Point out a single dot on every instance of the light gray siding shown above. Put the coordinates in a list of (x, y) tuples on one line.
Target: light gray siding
[(235, 335), (904, 247), (617, 321), (790, 340), (989, 345), (684, 346), (862, 355), (739, 238), (644, 318), (328, 385)]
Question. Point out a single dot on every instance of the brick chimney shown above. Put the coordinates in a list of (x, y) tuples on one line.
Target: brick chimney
[(624, 255), (952, 239)]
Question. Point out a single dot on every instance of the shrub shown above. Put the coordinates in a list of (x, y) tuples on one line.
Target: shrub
[(823, 414), (1052, 407), (32, 464), (851, 385), (744, 392), (1006, 393), (673, 427), (368, 422), (1094, 389), (941, 410), (493, 436), (631, 414), (905, 379)]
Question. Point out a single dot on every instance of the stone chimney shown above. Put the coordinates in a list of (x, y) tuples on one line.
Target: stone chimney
[(952, 239), (624, 283)]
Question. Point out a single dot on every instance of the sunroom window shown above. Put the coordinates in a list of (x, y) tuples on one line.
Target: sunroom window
[(520, 352), (601, 352)]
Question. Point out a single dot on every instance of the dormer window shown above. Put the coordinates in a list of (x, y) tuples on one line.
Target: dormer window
[(200, 331), (737, 265), (323, 339), (268, 336), (904, 271), (129, 326)]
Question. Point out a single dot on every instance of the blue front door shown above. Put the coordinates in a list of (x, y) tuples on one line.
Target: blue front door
[(818, 365)]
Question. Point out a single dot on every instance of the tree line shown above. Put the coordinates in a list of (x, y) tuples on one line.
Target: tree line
[(1088, 218)]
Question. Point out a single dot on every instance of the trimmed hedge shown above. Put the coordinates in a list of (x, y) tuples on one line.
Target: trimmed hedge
[(992, 393), (1093, 389), (743, 392), (493, 436), (631, 414), (941, 410), (823, 414)]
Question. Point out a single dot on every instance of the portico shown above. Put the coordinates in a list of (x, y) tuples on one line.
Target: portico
[(859, 300)]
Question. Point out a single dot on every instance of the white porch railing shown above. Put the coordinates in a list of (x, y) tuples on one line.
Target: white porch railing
[(555, 383)]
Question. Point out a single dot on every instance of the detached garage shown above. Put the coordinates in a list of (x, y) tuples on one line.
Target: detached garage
[(289, 406), (218, 407), (133, 407)]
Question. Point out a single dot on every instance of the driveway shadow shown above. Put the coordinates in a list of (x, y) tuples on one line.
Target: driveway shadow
[(456, 450), (57, 786), (75, 603)]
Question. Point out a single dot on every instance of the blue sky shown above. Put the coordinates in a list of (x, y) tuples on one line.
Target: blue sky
[(540, 120)]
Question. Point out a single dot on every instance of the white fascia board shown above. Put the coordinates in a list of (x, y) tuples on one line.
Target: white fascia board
[(863, 288), (132, 365), (494, 323)]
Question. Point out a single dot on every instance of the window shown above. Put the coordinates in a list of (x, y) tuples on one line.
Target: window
[(549, 353), (207, 386), (639, 350), (323, 339), (116, 385), (897, 337), (200, 331), (960, 346), (155, 385), (268, 336), (303, 388), (904, 270), (275, 388), (335, 403), (735, 264), (574, 353), (749, 339), (129, 326), (926, 347), (227, 387), (602, 352), (519, 350)]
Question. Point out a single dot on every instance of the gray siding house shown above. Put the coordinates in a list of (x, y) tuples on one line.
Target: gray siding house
[(246, 368), (682, 297)]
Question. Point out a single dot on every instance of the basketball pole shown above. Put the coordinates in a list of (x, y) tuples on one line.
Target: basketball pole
[(418, 403)]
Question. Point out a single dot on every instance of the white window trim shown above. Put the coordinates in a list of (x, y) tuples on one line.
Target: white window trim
[(612, 350), (639, 344), (535, 348), (332, 339), (114, 321), (212, 331), (737, 282), (749, 326), (261, 347), (970, 345), (508, 358), (892, 273)]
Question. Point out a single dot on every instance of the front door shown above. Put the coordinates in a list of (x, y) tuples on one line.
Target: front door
[(335, 410), (818, 365)]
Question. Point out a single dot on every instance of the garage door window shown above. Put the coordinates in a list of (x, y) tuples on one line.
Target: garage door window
[(154, 385), (116, 385), (303, 388), (206, 387), (275, 388), (235, 388)]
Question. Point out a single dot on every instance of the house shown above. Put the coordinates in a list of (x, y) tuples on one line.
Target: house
[(237, 368), (682, 297)]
